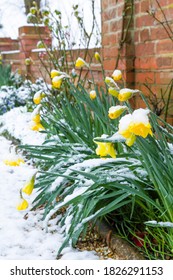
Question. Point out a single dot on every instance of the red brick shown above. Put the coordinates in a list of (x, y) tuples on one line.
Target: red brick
[(144, 7), (120, 11), (164, 62), (164, 46), (145, 77), (146, 63), (158, 32), (137, 8), (145, 49), (145, 20), (163, 77), (145, 35), (109, 64)]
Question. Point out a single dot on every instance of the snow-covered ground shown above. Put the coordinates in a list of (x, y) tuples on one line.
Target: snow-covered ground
[(22, 233)]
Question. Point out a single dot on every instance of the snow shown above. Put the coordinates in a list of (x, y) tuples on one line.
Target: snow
[(138, 116), (17, 123), (23, 235)]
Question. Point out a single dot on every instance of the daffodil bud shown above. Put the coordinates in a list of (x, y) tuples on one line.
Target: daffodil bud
[(27, 61), (113, 91), (57, 81), (92, 94), (117, 75), (37, 97), (40, 45), (29, 186), (33, 10), (116, 111), (97, 56), (111, 83), (80, 62), (126, 94)]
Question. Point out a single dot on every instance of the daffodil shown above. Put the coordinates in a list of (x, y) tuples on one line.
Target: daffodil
[(97, 56), (22, 204), (135, 124), (105, 149), (57, 81), (38, 96), (13, 161), (54, 73), (92, 94), (29, 186), (125, 94), (80, 62), (116, 111), (113, 91), (117, 75)]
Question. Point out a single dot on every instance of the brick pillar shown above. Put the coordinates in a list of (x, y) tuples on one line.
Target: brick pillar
[(28, 39), (117, 54)]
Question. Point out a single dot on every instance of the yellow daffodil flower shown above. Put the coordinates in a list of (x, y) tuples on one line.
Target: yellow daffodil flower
[(135, 124), (116, 111), (80, 62), (36, 118), (57, 81), (117, 75), (14, 162), (29, 186), (22, 204), (113, 91), (92, 94), (54, 73), (97, 56), (105, 149)]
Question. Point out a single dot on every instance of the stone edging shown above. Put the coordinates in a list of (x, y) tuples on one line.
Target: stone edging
[(118, 245)]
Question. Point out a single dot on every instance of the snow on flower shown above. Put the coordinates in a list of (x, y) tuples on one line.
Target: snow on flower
[(126, 94), (115, 111), (117, 75), (135, 124), (92, 94), (80, 62)]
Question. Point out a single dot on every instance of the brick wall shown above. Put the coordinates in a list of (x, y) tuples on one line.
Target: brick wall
[(147, 55)]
